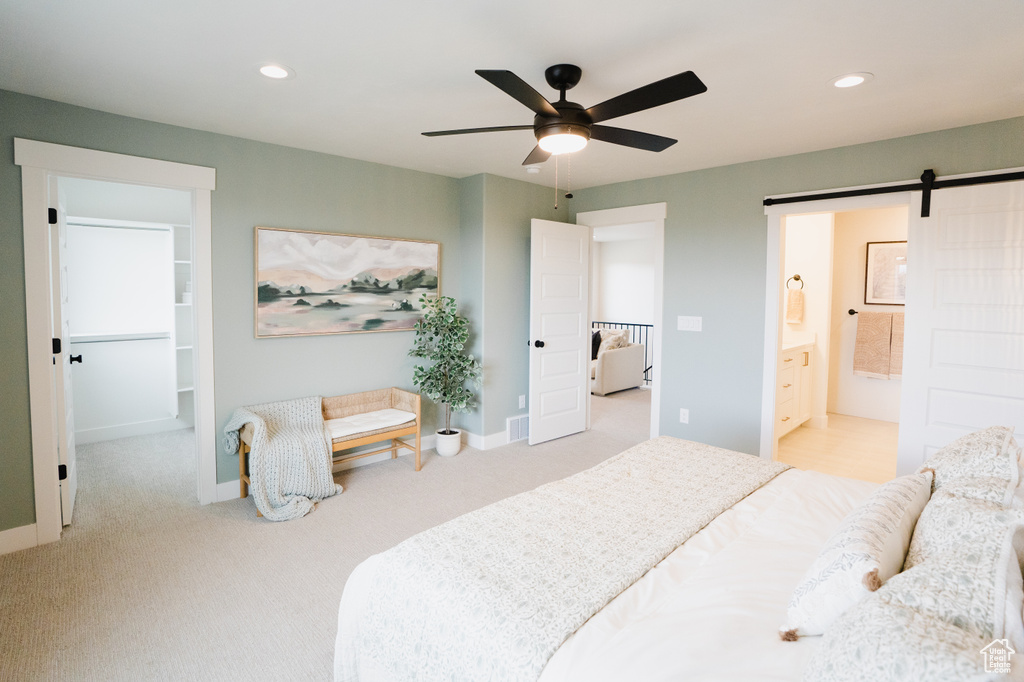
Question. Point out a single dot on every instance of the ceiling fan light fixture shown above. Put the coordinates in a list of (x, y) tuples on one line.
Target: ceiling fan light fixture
[(562, 143)]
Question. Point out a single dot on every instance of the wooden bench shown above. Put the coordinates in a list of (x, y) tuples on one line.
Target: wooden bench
[(353, 404)]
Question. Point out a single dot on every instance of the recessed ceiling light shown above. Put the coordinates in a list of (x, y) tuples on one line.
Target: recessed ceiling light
[(850, 80), (276, 71)]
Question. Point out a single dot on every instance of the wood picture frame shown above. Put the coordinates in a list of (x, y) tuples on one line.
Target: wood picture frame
[(885, 273), (314, 283)]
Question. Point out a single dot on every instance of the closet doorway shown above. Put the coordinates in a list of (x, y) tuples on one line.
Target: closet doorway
[(129, 271), (43, 165)]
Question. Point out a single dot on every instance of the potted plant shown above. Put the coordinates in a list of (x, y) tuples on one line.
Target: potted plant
[(441, 338)]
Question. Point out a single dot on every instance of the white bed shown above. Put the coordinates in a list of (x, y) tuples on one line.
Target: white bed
[(711, 609)]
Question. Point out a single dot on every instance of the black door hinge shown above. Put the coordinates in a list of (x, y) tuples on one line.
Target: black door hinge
[(56, 346), (51, 215), (62, 472)]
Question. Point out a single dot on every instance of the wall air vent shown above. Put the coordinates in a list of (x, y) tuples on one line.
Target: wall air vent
[(517, 428)]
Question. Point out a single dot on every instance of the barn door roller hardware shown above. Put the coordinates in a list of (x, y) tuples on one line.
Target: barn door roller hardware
[(929, 182)]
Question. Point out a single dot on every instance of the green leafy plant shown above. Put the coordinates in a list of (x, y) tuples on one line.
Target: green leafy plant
[(441, 337)]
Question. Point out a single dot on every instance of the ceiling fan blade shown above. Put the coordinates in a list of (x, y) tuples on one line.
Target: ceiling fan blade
[(538, 155), (519, 89), (631, 138), (463, 131), (667, 90)]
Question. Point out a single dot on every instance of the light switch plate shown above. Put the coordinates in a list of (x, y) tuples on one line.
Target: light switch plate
[(522, 402), (684, 415), (686, 323)]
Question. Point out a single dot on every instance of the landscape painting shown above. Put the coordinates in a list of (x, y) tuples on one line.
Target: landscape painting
[(325, 283)]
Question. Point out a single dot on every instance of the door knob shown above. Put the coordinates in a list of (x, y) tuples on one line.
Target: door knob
[(538, 343), (75, 358)]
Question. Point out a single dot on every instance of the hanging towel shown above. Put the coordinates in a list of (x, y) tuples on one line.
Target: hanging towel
[(794, 306), (871, 349), (896, 347)]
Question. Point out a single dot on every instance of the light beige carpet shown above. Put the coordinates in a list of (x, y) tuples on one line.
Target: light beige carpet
[(146, 584)]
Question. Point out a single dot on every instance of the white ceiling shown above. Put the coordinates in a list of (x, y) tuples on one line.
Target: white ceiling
[(371, 76)]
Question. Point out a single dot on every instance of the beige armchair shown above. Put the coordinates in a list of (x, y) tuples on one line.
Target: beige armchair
[(617, 369)]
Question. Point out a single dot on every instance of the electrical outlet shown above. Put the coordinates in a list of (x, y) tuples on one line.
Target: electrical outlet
[(685, 323), (684, 415), (522, 402)]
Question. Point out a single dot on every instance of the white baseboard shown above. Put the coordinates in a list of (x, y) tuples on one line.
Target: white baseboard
[(819, 422), (17, 539), (104, 433), (495, 440), (228, 490)]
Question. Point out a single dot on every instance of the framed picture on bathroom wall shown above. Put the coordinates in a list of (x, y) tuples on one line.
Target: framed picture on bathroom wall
[(329, 283), (885, 277)]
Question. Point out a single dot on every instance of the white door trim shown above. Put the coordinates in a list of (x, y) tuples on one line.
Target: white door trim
[(774, 284), (39, 161), (645, 213)]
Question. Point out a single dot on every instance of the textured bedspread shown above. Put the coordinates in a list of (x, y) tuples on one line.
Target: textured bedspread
[(492, 594)]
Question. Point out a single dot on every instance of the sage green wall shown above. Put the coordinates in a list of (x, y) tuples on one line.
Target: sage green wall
[(257, 184), (508, 207), (715, 256), (714, 264), (471, 303)]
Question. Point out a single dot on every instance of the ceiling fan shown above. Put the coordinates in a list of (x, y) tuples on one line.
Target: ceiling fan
[(562, 127)]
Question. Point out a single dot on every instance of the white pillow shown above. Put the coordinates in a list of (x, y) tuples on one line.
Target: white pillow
[(868, 548)]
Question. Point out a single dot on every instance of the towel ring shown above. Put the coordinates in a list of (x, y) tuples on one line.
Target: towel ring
[(795, 278)]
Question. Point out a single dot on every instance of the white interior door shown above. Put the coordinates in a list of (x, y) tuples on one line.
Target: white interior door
[(559, 329), (964, 337), (62, 386)]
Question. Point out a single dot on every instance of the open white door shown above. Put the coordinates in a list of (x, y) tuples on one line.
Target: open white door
[(559, 329), (964, 341), (65, 407)]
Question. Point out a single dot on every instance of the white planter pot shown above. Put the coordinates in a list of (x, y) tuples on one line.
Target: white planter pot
[(448, 444)]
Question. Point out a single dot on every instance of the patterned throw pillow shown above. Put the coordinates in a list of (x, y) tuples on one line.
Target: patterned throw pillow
[(975, 476), (990, 452), (867, 549), (612, 339)]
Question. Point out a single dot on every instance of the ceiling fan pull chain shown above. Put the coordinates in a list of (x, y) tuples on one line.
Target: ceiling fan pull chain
[(568, 179), (556, 181)]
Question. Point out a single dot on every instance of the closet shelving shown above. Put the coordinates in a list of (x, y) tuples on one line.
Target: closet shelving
[(183, 349), (180, 401)]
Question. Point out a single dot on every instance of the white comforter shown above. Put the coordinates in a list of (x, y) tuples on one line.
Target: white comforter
[(709, 611)]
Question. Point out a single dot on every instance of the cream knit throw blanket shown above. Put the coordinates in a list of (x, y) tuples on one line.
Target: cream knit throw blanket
[(290, 461)]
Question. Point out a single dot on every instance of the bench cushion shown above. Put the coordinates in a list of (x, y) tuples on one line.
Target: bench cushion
[(368, 421)]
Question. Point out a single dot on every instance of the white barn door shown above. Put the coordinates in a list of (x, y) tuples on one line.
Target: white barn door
[(964, 339), (559, 329)]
